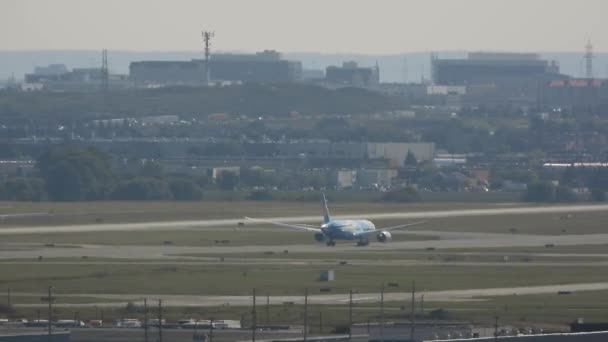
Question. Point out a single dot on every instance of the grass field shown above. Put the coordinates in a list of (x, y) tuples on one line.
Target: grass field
[(285, 279), (289, 274), (192, 237), (123, 212)]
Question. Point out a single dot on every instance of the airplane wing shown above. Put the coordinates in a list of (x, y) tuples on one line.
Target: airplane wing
[(388, 229), (303, 227)]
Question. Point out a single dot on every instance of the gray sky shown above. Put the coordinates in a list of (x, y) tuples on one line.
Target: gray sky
[(353, 26)]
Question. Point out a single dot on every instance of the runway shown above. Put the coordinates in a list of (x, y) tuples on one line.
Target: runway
[(468, 295), (303, 219), (447, 240)]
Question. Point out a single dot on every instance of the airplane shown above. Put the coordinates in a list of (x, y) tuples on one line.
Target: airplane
[(332, 230)]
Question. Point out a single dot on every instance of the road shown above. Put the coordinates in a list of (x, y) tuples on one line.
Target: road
[(467, 295)]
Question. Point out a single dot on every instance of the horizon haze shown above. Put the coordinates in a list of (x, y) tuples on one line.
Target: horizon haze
[(340, 26)]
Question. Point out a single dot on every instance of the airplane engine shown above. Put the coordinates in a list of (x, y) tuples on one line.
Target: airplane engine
[(384, 237), (319, 237)]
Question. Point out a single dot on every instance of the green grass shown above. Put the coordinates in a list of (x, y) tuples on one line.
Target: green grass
[(542, 224), (276, 279), (123, 212), (531, 251), (248, 235), (447, 256), (527, 310)]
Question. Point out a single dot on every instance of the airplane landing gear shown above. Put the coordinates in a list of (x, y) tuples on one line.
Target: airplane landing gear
[(362, 243), (331, 243)]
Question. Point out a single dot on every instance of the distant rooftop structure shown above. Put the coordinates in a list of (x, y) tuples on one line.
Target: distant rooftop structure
[(266, 55), (351, 74), (51, 70), (502, 56), (491, 68), (264, 66)]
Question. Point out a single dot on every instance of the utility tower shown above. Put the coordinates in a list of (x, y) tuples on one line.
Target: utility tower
[(405, 70), (105, 74), (589, 60), (207, 36)]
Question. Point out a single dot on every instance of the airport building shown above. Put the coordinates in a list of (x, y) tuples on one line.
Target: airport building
[(351, 74), (266, 66), (490, 68), (393, 153), (57, 77), (495, 78), (574, 93)]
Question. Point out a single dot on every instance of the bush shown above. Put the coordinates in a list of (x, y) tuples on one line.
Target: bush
[(142, 189), (547, 192), (23, 189), (408, 194), (598, 195), (185, 190), (540, 192), (260, 195)]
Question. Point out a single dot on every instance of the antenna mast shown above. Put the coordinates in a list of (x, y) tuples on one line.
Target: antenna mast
[(105, 74), (207, 36), (589, 60)]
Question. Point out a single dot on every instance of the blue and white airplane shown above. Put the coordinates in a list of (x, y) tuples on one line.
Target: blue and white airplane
[(332, 230)]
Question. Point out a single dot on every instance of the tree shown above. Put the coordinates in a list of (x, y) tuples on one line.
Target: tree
[(540, 192), (142, 189), (185, 190), (75, 173), (598, 195), (260, 195), (408, 194), (22, 189), (410, 159), (228, 180), (564, 194)]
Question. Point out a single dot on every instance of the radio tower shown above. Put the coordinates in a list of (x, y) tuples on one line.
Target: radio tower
[(207, 36), (589, 60), (105, 74)]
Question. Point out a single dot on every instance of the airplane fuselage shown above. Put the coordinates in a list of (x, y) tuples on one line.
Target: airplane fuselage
[(346, 229)]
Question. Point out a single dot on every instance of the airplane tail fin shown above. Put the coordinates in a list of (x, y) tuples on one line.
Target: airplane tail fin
[(326, 217)]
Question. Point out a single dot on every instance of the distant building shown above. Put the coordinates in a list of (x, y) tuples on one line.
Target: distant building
[(574, 93), (217, 172), (393, 153), (266, 66), (351, 74), (51, 69), (344, 179), (490, 68), (376, 177), (496, 78), (59, 77), (313, 74)]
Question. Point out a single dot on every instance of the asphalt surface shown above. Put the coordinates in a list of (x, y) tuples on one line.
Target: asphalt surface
[(120, 300), (447, 240), (314, 219)]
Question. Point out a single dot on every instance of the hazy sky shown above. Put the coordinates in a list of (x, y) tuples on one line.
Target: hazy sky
[(358, 26)]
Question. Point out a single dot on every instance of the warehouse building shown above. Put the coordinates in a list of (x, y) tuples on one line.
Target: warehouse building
[(574, 93), (496, 78), (351, 74), (265, 66)]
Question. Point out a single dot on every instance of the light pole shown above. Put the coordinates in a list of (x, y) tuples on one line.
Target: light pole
[(50, 298)]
